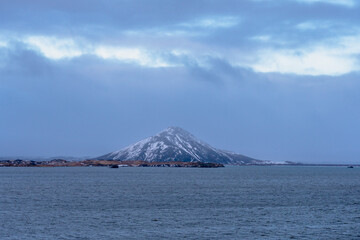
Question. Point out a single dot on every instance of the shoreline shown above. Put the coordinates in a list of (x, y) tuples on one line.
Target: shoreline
[(138, 163), (104, 163)]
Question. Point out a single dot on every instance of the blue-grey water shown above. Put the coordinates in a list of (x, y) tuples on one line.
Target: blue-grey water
[(177, 203)]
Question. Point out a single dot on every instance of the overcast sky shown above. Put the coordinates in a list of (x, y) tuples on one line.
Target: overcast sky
[(271, 79)]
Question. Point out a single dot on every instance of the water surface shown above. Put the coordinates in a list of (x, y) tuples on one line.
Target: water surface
[(176, 203)]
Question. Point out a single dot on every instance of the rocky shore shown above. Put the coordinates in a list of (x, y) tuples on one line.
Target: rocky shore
[(103, 163)]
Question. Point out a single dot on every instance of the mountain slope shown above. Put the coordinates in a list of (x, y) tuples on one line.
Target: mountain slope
[(176, 144)]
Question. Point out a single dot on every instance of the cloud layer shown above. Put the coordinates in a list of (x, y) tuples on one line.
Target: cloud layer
[(245, 34)]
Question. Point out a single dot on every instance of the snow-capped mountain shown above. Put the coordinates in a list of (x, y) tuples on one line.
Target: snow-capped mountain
[(176, 144)]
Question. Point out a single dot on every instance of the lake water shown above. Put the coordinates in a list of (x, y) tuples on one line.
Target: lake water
[(276, 202)]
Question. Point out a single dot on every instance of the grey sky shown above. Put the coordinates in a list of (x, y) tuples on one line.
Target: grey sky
[(275, 80)]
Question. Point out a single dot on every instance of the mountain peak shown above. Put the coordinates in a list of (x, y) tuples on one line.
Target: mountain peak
[(176, 144), (174, 130)]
